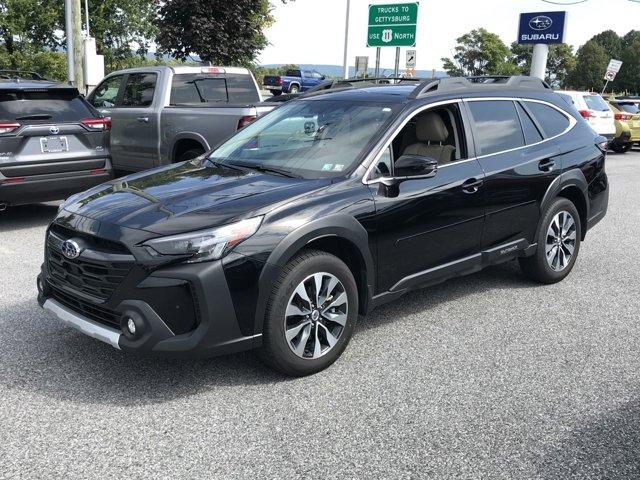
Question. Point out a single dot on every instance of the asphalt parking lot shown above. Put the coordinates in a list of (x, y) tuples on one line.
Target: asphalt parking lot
[(488, 376)]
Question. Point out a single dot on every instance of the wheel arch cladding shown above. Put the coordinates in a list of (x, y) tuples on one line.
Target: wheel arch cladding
[(341, 235), (573, 186), (576, 196)]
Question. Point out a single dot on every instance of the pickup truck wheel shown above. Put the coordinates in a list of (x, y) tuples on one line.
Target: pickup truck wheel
[(310, 315), (294, 89), (189, 154)]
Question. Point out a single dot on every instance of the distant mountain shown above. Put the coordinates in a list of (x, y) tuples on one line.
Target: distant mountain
[(336, 70)]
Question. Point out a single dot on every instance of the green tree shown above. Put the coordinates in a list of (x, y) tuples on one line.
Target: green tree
[(611, 42), (591, 64), (219, 31), (560, 63), (480, 52), (628, 79)]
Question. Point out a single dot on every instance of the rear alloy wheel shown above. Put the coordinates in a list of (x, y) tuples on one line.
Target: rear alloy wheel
[(558, 240), (310, 315), (294, 89)]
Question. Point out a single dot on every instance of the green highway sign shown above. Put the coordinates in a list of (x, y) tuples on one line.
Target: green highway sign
[(392, 25)]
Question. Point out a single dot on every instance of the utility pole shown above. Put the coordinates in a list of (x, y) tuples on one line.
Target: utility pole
[(78, 48), (345, 62), (71, 76)]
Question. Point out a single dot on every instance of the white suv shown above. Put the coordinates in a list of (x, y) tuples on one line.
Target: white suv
[(594, 110)]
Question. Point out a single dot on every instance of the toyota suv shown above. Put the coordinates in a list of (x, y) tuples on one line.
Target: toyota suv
[(52, 142), (331, 205)]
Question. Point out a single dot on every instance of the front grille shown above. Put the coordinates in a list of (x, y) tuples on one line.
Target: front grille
[(96, 273), (89, 310)]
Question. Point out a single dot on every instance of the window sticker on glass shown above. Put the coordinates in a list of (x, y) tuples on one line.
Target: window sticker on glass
[(327, 167), (338, 167)]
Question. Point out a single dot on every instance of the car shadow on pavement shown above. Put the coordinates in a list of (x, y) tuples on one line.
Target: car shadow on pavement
[(609, 446), (27, 216), (41, 355)]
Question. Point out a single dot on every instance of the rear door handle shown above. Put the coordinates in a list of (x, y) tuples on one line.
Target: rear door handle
[(472, 185), (143, 119), (546, 165)]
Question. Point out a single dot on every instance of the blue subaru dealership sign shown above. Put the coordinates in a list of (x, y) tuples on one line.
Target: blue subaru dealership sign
[(544, 27)]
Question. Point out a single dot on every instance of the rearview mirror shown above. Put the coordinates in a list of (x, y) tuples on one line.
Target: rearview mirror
[(415, 166)]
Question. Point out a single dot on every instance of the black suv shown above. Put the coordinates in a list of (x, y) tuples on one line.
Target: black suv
[(52, 141), (325, 208)]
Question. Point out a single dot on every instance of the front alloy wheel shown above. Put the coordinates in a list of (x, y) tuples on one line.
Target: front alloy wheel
[(561, 241), (316, 315)]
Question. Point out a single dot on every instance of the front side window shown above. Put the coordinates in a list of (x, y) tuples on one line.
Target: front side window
[(551, 120), (106, 93), (139, 89), (310, 139), (497, 127)]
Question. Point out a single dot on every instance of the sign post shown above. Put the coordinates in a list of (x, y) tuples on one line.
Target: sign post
[(377, 70), (541, 29), (612, 70)]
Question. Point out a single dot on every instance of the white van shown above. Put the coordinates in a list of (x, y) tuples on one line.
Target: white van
[(594, 110)]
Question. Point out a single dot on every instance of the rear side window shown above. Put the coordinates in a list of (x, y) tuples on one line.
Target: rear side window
[(627, 107), (531, 132), (552, 121), (139, 90), (597, 103), (105, 94), (199, 88), (293, 73), (43, 106), (497, 126)]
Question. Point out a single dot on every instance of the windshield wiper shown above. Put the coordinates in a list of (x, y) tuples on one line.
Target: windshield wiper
[(42, 116), (219, 164), (268, 169)]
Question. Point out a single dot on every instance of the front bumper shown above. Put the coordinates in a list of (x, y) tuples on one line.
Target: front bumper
[(146, 300)]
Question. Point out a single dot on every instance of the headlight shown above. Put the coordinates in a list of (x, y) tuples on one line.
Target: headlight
[(205, 245)]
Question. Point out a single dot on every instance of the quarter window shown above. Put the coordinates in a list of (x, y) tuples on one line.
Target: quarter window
[(551, 120), (497, 126), (139, 89), (531, 132)]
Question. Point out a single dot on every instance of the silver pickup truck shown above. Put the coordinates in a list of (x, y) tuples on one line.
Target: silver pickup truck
[(162, 115)]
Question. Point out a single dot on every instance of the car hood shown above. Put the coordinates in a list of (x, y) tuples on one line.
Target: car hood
[(186, 197)]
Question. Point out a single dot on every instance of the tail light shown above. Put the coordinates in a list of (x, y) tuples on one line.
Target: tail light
[(279, 81), (12, 180), (246, 120), (98, 124), (623, 116), (8, 127), (587, 114)]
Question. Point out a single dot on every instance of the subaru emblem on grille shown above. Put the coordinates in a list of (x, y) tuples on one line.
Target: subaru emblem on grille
[(70, 249), (54, 130)]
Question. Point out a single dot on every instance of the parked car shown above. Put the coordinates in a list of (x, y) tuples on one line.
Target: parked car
[(627, 114), (52, 142), (162, 115), (327, 207), (594, 110), (293, 81)]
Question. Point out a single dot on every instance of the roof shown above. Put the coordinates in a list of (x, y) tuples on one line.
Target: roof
[(14, 84)]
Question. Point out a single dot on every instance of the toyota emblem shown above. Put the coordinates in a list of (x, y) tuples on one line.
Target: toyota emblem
[(54, 130), (70, 249)]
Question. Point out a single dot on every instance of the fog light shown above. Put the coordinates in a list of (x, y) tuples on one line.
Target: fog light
[(131, 326)]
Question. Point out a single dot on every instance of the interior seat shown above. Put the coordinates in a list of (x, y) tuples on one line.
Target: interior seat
[(431, 132)]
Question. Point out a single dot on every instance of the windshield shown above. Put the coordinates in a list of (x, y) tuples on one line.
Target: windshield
[(308, 139)]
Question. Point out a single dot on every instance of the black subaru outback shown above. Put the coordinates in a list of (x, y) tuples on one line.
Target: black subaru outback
[(325, 208), (52, 142)]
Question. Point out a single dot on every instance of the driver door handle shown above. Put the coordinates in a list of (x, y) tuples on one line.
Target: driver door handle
[(546, 165), (472, 185), (143, 119)]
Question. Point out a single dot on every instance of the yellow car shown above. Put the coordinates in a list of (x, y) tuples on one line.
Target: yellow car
[(627, 120)]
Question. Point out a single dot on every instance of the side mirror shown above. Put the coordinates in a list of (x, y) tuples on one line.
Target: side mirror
[(322, 77), (415, 166)]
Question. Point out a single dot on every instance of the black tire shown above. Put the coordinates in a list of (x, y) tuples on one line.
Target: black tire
[(624, 148), (190, 154), (275, 350), (294, 89), (537, 267), (276, 93)]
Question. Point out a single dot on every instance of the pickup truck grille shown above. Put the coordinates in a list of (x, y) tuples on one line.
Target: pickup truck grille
[(96, 273)]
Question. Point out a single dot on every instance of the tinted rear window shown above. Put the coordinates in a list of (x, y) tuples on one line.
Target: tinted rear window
[(596, 102), (42, 106), (552, 121), (627, 107), (497, 126), (201, 88)]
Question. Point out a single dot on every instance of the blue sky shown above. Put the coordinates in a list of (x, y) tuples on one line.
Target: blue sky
[(312, 31)]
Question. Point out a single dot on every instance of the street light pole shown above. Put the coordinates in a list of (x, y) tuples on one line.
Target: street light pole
[(68, 22), (345, 61)]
